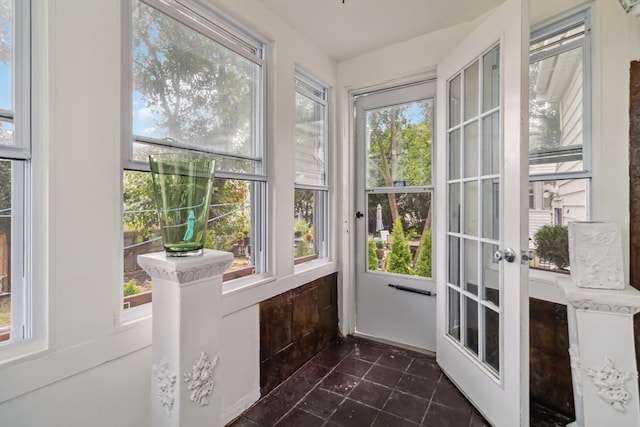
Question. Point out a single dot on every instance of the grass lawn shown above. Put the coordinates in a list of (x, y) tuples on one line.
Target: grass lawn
[(5, 312)]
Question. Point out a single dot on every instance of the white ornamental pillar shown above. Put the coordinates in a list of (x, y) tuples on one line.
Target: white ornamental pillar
[(187, 331), (602, 350)]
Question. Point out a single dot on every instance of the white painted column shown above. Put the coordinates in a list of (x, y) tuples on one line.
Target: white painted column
[(187, 332), (602, 350)]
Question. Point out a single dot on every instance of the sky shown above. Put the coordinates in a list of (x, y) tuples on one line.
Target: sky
[(5, 85)]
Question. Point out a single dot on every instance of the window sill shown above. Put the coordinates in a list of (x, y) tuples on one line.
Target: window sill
[(543, 286), (243, 293)]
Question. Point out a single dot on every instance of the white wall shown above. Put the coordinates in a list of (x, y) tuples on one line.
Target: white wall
[(93, 371)]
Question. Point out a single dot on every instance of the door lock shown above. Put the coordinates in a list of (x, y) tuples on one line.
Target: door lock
[(508, 255)]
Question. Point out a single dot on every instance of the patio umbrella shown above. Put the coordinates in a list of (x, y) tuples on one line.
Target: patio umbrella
[(379, 225)]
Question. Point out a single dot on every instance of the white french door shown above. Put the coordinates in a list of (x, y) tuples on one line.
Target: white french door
[(482, 313)]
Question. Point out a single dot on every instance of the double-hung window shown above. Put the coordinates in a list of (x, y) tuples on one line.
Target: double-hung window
[(197, 84), (15, 158), (311, 182), (559, 136)]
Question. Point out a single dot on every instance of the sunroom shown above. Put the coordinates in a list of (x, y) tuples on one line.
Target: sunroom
[(394, 183)]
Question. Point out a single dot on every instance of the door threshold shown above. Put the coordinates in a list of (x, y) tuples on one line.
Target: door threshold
[(393, 343)]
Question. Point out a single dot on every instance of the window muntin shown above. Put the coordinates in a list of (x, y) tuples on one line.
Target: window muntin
[(559, 137), (311, 192), (196, 84), (15, 153)]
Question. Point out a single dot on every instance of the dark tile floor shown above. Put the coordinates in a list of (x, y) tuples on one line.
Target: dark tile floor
[(360, 383)]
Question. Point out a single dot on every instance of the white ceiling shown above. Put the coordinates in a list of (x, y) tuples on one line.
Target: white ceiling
[(345, 30)]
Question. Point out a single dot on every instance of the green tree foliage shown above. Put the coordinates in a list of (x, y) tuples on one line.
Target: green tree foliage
[(198, 91), (302, 248), (300, 227), (552, 245), (400, 149), (132, 288), (399, 259), (231, 218), (303, 207), (372, 258), (139, 205), (423, 260)]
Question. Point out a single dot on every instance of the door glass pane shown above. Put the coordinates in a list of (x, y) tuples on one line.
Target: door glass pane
[(471, 266), (471, 149), (470, 203), (454, 154), (491, 79), (491, 208), (491, 144), (474, 200), (471, 92), (471, 330), (454, 261), (454, 313), (490, 274), (454, 207), (455, 99), (399, 142), (492, 338), (399, 225)]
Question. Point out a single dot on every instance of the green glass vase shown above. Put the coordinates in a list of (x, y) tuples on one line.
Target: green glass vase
[(182, 185)]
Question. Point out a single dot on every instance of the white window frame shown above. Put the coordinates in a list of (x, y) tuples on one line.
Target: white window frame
[(313, 89), (585, 43), (205, 19), (22, 315), (547, 31)]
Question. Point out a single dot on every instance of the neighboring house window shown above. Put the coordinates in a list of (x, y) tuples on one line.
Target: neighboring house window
[(197, 85), (15, 160), (310, 208), (559, 136)]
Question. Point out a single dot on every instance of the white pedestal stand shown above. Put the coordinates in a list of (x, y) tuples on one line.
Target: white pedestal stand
[(603, 363), (187, 330)]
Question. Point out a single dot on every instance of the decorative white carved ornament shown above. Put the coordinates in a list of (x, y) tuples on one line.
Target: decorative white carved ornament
[(610, 382), (166, 380), (607, 307), (595, 254), (188, 275), (200, 379)]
